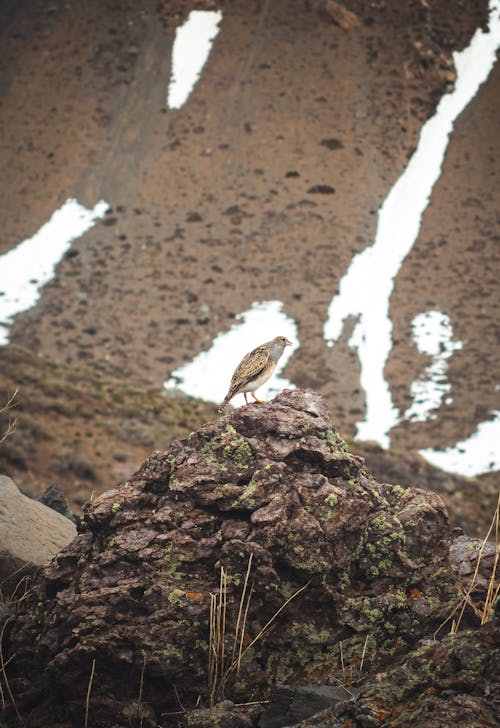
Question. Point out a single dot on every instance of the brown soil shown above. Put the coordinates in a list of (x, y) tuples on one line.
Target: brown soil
[(83, 430), (215, 205)]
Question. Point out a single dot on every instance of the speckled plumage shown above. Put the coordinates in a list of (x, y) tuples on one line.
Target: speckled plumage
[(255, 368)]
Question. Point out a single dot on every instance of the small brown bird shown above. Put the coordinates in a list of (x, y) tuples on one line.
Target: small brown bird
[(255, 368)]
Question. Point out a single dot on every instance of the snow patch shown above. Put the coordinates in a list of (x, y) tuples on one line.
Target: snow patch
[(478, 454), (433, 336), (192, 45), (366, 288), (29, 266)]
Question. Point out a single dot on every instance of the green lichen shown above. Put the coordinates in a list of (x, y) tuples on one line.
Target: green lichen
[(334, 441), (172, 562), (115, 507), (177, 597), (246, 499), (201, 645), (331, 501), (379, 544), (236, 448), (171, 651), (314, 635), (208, 451), (400, 491)]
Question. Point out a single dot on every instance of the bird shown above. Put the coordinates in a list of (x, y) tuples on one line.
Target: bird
[(254, 369)]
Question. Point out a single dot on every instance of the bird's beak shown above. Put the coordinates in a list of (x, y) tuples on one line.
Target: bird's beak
[(288, 343)]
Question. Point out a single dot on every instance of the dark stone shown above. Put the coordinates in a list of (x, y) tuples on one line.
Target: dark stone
[(321, 190), (291, 705), (54, 498), (332, 144)]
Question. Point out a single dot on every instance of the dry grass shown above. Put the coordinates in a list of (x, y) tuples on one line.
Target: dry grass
[(351, 673), (220, 669), (482, 609), (12, 602), (11, 423), (89, 690)]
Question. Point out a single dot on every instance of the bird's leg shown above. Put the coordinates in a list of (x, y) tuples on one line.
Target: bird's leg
[(260, 401), (245, 395)]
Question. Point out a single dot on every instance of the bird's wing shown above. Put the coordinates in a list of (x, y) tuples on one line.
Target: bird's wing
[(250, 367)]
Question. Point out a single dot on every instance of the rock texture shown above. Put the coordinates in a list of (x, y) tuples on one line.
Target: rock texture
[(31, 534), (270, 491), (290, 706), (453, 682)]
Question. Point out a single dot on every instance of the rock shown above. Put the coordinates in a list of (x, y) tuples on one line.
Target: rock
[(31, 534), (269, 491), (291, 705), (222, 715), (338, 14), (54, 498), (464, 555), (452, 682)]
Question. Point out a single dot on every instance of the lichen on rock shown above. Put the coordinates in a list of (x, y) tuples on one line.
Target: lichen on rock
[(335, 557)]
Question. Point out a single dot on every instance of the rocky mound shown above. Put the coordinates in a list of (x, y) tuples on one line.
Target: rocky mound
[(257, 551), (84, 430)]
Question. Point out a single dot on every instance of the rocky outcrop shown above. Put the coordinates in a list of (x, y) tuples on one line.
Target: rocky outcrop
[(470, 502), (30, 533), (453, 682), (258, 551)]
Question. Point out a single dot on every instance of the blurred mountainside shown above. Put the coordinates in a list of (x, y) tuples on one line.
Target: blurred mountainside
[(262, 187)]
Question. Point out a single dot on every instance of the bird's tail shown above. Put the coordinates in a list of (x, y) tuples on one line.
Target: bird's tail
[(223, 406)]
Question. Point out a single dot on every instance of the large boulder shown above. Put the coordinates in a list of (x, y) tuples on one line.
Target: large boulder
[(259, 537), (31, 534)]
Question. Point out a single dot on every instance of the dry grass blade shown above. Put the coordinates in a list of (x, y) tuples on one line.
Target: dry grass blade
[(13, 601), (268, 625), (89, 689), (363, 655), (11, 424), (242, 633), (211, 649), (240, 609), (222, 617), (493, 592), (218, 609), (141, 685), (342, 663), (484, 613)]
